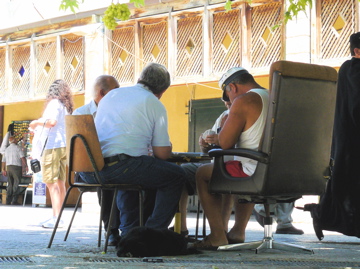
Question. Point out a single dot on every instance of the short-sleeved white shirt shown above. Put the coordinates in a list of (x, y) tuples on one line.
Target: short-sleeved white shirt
[(13, 155), (217, 123), (55, 110), (88, 109), (129, 120)]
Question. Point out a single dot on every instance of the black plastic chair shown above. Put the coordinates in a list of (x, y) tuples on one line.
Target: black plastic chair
[(84, 155), (294, 154)]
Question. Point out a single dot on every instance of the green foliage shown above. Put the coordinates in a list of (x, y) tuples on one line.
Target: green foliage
[(122, 11), (228, 5), (72, 4), (138, 3), (296, 6)]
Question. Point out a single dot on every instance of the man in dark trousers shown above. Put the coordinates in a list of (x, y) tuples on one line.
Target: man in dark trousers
[(339, 207), (103, 84), (13, 166), (129, 121)]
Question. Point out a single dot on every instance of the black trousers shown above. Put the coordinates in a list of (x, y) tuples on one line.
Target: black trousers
[(149, 202)]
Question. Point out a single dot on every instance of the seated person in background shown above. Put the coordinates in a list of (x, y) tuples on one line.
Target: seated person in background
[(103, 84), (282, 215), (207, 143), (243, 128), (129, 120)]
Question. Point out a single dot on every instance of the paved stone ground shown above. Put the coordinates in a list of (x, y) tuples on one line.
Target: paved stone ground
[(24, 245)]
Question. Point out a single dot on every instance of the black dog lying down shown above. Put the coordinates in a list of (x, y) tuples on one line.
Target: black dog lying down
[(148, 242)]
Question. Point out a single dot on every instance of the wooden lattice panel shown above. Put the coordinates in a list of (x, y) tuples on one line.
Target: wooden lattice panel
[(20, 73), (189, 60), (45, 67), (333, 43), (122, 54), (2, 74), (226, 40), (265, 42), (73, 47), (154, 43)]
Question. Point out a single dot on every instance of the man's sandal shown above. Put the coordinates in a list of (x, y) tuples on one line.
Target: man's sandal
[(205, 244)]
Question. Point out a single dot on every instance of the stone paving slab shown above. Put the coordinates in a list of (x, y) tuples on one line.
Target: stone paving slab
[(24, 245)]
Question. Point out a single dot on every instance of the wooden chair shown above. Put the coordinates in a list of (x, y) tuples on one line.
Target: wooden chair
[(294, 153), (28, 187), (84, 155)]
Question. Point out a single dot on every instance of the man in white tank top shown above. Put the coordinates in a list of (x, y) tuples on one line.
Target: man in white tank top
[(243, 128)]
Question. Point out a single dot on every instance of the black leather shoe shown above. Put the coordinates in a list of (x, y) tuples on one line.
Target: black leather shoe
[(289, 230), (113, 240), (313, 208)]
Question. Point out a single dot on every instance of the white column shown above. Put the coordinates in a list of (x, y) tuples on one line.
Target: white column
[(94, 55), (298, 38)]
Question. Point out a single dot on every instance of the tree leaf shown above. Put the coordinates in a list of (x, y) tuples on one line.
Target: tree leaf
[(228, 5), (138, 3)]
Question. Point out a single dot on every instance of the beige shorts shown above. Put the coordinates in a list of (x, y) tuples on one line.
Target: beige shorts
[(53, 165)]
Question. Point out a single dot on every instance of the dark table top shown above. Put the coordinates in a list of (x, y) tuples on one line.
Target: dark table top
[(188, 157)]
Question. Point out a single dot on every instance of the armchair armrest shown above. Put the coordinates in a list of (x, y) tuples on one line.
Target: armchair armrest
[(247, 153)]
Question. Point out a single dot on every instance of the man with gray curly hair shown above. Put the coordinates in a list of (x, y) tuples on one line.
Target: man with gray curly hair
[(129, 121)]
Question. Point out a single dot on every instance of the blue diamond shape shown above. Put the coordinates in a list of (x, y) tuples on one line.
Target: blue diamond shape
[(22, 71)]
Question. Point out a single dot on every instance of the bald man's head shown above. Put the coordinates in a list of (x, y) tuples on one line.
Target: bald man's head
[(104, 84)]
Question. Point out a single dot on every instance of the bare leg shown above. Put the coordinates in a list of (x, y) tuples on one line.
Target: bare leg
[(227, 206), (211, 205), (57, 194), (242, 216)]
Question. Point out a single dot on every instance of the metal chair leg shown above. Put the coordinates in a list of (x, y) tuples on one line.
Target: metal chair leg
[(101, 217), (141, 214), (110, 220), (73, 216), (26, 190), (141, 207), (59, 217), (197, 221), (204, 225), (268, 241)]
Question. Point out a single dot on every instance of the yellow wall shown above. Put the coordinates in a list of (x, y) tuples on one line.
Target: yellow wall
[(29, 110), (176, 100)]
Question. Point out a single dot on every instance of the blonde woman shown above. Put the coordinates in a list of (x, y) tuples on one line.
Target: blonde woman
[(59, 103)]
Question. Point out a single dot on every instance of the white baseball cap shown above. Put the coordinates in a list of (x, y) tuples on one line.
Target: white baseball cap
[(228, 77)]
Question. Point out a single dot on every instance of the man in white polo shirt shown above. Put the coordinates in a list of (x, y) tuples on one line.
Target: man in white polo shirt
[(129, 121)]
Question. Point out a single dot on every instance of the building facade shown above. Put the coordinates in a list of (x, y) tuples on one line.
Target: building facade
[(196, 40)]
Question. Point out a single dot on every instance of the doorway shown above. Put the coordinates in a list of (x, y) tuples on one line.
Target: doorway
[(202, 116)]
